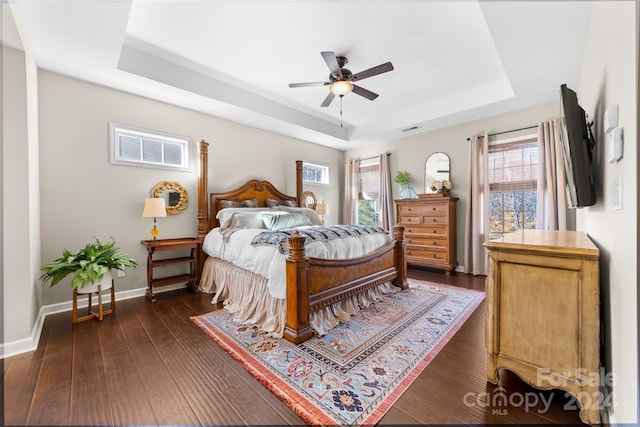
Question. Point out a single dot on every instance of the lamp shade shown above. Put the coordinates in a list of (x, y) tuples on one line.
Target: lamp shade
[(321, 208), (154, 207)]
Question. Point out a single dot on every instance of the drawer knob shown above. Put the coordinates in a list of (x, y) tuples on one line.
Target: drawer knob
[(434, 243), (409, 209), (435, 231), (434, 255), (433, 208), (434, 220)]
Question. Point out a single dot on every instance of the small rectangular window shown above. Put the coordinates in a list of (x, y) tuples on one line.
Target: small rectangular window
[(315, 173), (141, 147)]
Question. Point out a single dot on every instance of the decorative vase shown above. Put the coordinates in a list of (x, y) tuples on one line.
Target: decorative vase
[(408, 192)]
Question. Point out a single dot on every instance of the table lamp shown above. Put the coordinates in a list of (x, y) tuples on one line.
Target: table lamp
[(154, 207), (321, 209)]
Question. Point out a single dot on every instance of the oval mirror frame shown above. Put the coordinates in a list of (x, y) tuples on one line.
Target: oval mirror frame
[(309, 200), (175, 205), (437, 167)]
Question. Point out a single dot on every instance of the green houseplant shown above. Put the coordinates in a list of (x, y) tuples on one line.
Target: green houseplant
[(88, 266), (407, 191), (402, 178)]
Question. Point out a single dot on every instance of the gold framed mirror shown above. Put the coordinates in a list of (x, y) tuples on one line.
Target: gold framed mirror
[(309, 200), (174, 194)]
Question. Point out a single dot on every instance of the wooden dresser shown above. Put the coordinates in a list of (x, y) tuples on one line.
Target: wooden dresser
[(430, 231), (542, 313)]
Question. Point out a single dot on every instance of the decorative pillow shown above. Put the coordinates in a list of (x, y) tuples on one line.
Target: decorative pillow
[(249, 203), (225, 216), (273, 202), (309, 213), (282, 220), (247, 220)]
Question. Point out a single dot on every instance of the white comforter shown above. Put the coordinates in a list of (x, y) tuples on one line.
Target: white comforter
[(270, 263)]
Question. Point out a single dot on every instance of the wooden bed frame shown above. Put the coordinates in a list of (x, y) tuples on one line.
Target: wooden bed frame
[(312, 283)]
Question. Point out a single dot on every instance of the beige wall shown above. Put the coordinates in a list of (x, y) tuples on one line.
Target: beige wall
[(83, 195), (411, 153), (609, 77), (20, 234)]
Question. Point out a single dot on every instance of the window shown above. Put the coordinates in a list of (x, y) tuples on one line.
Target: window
[(314, 173), (140, 147), (512, 185), (369, 192)]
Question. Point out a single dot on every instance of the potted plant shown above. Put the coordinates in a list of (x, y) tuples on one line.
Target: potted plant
[(90, 266), (406, 191), (402, 178)]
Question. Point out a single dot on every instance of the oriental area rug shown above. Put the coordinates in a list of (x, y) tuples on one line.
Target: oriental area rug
[(353, 374)]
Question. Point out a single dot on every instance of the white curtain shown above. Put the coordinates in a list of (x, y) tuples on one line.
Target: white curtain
[(351, 186), (476, 231), (386, 199), (551, 203)]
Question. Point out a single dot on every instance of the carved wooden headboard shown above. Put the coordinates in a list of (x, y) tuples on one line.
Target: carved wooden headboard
[(210, 204)]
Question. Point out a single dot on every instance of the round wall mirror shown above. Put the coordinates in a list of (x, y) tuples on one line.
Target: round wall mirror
[(174, 194), (436, 169)]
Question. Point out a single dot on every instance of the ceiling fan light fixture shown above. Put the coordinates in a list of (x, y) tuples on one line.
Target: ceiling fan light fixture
[(341, 87)]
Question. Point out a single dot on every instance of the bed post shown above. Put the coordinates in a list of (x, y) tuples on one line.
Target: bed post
[(203, 211), (297, 328), (299, 183), (401, 257)]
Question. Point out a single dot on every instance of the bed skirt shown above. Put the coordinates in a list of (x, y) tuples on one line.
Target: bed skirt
[(247, 296)]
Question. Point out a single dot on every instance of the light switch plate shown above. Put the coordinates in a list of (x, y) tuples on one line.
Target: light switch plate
[(614, 144), (610, 118)]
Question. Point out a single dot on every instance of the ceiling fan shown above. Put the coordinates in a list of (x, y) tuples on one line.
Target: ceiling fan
[(341, 80)]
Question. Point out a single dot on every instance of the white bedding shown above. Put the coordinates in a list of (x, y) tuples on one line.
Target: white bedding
[(270, 263)]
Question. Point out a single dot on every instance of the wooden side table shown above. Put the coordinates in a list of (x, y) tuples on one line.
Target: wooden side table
[(193, 244)]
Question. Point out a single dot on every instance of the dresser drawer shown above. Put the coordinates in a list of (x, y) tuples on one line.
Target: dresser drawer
[(425, 254), (425, 231), (420, 219), (435, 242), (433, 209)]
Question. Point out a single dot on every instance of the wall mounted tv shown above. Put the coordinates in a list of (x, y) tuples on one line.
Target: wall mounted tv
[(578, 147)]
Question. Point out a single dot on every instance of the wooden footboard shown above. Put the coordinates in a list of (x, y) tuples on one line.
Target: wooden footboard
[(312, 283)]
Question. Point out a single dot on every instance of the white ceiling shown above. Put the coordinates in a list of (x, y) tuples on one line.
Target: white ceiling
[(454, 61)]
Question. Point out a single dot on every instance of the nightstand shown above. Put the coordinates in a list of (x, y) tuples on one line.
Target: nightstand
[(192, 258)]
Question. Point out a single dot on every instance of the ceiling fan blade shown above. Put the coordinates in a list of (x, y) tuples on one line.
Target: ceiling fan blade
[(379, 69), (332, 63), (364, 92), (308, 84), (328, 100)]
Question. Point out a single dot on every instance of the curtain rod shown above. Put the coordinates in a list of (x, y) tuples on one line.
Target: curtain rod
[(374, 157), (507, 131)]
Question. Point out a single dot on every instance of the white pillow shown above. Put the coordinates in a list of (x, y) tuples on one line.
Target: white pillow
[(247, 220), (225, 216), (309, 213)]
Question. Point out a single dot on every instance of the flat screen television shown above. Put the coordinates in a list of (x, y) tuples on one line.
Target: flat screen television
[(578, 147)]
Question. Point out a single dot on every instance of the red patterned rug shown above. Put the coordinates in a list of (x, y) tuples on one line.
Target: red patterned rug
[(354, 374)]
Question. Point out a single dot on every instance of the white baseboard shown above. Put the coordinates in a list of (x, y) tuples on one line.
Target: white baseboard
[(24, 345)]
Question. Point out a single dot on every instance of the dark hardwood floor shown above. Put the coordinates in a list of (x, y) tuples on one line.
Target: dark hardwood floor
[(150, 364)]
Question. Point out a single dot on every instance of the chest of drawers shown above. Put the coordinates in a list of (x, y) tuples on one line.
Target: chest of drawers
[(430, 231)]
